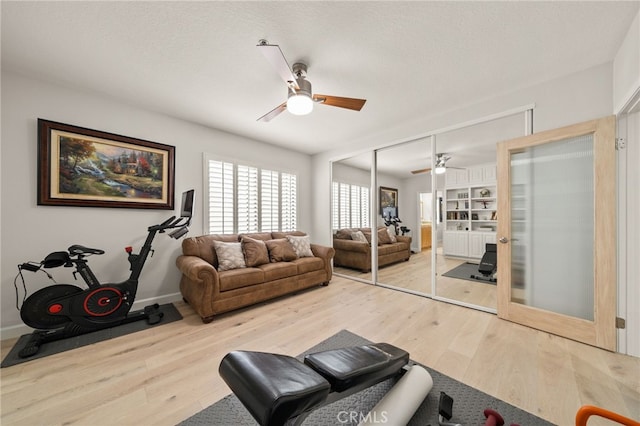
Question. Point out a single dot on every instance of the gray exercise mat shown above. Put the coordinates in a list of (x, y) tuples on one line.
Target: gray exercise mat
[(468, 408), (170, 312)]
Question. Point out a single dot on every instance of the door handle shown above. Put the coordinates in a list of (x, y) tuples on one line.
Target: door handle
[(504, 240)]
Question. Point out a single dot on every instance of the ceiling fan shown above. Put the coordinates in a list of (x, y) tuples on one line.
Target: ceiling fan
[(441, 165), (300, 99)]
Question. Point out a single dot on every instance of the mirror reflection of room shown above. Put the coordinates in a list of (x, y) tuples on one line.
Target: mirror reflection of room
[(448, 214), (351, 206), (467, 260)]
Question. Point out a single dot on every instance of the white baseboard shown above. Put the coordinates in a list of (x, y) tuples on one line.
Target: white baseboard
[(20, 329)]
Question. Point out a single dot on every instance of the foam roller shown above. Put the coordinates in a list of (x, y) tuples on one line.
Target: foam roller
[(401, 402)]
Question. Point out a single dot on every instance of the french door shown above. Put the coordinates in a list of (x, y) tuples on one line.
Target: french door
[(557, 232)]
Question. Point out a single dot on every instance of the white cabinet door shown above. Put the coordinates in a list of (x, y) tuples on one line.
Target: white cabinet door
[(482, 175), (456, 243), (489, 173), (455, 178), (476, 244), (476, 175)]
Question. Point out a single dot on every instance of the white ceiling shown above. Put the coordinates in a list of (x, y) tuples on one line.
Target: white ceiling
[(197, 60)]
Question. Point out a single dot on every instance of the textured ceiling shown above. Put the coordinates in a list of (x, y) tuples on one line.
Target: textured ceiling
[(198, 61)]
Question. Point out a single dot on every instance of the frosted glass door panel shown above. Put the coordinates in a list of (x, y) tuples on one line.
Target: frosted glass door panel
[(552, 222)]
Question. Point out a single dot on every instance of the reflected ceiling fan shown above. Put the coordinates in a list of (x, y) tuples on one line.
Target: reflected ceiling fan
[(441, 165), (300, 99)]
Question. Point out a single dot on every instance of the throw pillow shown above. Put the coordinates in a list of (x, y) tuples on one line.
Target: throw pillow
[(229, 256), (367, 235), (301, 245), (255, 252), (358, 236), (280, 250), (392, 235), (383, 236)]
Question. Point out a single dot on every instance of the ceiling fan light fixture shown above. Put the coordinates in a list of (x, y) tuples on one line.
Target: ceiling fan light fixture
[(300, 101), (299, 104), (440, 164)]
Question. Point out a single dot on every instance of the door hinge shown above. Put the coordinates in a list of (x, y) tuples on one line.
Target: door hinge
[(620, 323), (620, 144)]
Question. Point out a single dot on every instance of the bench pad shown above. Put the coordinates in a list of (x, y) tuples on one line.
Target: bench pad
[(348, 367), (272, 387)]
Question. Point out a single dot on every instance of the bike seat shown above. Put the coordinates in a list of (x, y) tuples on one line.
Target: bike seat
[(78, 249)]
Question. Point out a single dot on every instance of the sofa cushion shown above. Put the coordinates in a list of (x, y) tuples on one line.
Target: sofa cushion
[(280, 250), (255, 251), (202, 246), (264, 236), (279, 270), (391, 248), (367, 235), (392, 235), (358, 236), (383, 237), (238, 278), (229, 255), (279, 235), (301, 245), (345, 234), (309, 264)]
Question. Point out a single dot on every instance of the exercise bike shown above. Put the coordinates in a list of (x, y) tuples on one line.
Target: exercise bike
[(60, 311)]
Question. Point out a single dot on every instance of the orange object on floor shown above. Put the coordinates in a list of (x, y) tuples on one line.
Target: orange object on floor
[(587, 411)]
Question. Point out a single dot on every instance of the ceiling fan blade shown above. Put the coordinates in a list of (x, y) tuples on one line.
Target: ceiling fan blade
[(273, 113), (348, 103), (417, 172), (275, 56)]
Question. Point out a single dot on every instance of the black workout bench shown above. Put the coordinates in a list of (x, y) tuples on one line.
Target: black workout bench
[(278, 389)]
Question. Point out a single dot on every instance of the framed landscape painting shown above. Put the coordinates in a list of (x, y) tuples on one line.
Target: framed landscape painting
[(388, 202), (90, 168)]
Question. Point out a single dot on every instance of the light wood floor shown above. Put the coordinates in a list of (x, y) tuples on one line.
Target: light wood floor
[(164, 375), (415, 275)]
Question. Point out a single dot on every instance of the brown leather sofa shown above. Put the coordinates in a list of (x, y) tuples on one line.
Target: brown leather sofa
[(210, 291), (357, 254)]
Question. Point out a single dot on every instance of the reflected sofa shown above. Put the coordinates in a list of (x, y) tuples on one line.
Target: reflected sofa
[(354, 254)]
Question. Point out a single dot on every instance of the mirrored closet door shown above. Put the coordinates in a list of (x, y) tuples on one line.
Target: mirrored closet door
[(404, 260), (350, 213), (467, 259)]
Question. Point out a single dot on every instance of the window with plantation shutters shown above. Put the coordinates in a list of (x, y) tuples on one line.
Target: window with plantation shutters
[(350, 206), (244, 199)]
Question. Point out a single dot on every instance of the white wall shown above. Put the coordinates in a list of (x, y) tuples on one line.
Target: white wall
[(30, 232)]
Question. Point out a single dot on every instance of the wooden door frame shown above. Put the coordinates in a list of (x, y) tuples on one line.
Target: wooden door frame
[(601, 331)]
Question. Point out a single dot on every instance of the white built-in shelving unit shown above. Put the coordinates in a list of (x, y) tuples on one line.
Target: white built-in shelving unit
[(470, 211)]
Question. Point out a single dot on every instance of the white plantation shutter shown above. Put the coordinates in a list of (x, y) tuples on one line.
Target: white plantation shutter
[(350, 206), (247, 199), (365, 207), (220, 197), (356, 217), (345, 215), (288, 203), (269, 200), (335, 205), (247, 190)]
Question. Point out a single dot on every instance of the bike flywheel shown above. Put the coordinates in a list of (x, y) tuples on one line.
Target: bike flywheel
[(38, 311)]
